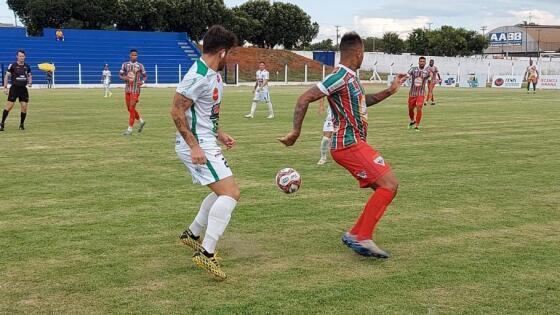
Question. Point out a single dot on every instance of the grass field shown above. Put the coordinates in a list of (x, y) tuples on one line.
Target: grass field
[(89, 219)]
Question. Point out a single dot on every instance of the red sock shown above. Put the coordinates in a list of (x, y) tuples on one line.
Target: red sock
[(411, 113), (131, 116), (373, 211), (418, 116)]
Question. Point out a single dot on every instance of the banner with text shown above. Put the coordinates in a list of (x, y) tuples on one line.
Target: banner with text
[(473, 80), (549, 82), (448, 80), (507, 81)]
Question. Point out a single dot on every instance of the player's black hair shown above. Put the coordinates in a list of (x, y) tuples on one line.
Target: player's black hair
[(134, 50), (432, 60), (422, 57), (21, 51), (262, 62), (350, 40), (216, 38)]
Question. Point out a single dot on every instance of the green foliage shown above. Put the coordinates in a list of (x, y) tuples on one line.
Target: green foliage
[(446, 41), (392, 44), (324, 45), (256, 22), (373, 44), (257, 10)]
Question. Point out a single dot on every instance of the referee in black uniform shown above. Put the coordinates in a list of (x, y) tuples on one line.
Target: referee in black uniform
[(19, 75)]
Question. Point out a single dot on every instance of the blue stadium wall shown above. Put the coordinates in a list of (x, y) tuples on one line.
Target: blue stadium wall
[(91, 49)]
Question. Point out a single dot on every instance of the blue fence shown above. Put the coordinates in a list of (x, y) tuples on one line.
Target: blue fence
[(82, 54)]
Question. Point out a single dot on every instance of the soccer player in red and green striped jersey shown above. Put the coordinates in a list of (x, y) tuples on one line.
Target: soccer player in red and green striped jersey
[(134, 75), (348, 102)]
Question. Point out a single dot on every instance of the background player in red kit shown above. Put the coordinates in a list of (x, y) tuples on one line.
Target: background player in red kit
[(418, 77), (348, 102), (433, 80), (134, 75)]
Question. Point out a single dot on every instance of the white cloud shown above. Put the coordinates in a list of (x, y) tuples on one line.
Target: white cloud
[(374, 26), (535, 16), (378, 26)]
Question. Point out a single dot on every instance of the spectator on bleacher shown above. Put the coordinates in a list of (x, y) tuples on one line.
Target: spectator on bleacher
[(106, 80), (49, 75), (59, 35)]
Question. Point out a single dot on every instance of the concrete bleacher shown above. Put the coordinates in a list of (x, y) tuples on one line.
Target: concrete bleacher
[(86, 51)]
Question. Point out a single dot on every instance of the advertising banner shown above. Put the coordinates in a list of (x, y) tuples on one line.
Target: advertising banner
[(549, 82), (448, 80), (473, 80), (507, 81)]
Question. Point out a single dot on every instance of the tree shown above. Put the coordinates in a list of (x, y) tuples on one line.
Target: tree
[(392, 44), (373, 44), (38, 14), (258, 10), (95, 14), (193, 16), (325, 45), (140, 15), (243, 25), (288, 25), (418, 42)]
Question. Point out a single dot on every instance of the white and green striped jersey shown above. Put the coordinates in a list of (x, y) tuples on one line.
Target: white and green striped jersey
[(204, 87)]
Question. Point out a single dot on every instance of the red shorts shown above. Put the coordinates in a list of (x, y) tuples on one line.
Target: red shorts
[(363, 162), (131, 97), (415, 101)]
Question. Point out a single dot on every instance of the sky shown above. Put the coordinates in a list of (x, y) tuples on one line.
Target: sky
[(374, 17)]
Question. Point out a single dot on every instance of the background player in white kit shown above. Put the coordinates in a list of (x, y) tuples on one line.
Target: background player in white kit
[(106, 80), (328, 130), (261, 92), (196, 111)]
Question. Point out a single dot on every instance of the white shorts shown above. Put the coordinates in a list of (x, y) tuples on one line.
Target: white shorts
[(216, 167), (328, 126), (261, 96)]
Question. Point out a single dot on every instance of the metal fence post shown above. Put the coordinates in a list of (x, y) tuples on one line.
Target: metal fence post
[(80, 74), (323, 72), (305, 75), (286, 73), (236, 74), (156, 76), (179, 73)]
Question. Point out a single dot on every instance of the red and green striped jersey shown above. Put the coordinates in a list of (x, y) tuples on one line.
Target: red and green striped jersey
[(346, 98), (418, 78), (135, 71)]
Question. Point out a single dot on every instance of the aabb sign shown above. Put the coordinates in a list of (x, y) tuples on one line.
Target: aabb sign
[(511, 38)]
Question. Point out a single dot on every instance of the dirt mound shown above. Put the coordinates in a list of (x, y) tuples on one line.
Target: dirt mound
[(249, 58)]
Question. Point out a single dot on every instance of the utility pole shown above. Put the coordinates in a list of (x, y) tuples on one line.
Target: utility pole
[(429, 26), (483, 29), (337, 36)]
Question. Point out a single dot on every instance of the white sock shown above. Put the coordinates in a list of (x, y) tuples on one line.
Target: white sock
[(270, 110), (218, 219), (253, 108), (129, 128), (324, 147), (141, 120), (201, 220)]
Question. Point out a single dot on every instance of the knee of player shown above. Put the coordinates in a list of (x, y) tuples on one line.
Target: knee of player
[(235, 193)]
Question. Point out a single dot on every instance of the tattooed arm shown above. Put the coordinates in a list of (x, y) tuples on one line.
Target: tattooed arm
[(372, 99), (180, 105), (309, 96)]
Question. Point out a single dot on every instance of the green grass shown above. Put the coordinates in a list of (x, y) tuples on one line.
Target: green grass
[(89, 219)]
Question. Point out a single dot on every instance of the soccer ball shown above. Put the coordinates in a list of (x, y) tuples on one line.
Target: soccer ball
[(288, 180)]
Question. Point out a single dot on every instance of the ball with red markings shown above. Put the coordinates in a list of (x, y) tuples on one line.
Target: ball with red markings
[(288, 180)]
